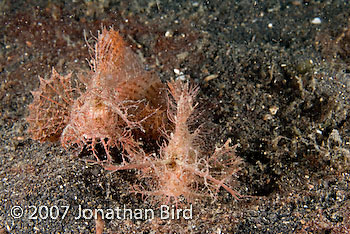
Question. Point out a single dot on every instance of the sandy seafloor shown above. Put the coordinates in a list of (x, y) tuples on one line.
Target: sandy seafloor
[(273, 75)]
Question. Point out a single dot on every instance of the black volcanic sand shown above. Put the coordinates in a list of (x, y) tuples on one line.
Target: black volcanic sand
[(274, 78)]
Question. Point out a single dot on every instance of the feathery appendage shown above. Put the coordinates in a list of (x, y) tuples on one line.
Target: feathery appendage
[(50, 109)]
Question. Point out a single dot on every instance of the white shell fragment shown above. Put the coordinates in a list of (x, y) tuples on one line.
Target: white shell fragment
[(316, 20)]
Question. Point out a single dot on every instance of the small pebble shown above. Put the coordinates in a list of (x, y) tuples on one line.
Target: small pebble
[(316, 20), (177, 71), (211, 77), (169, 33)]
